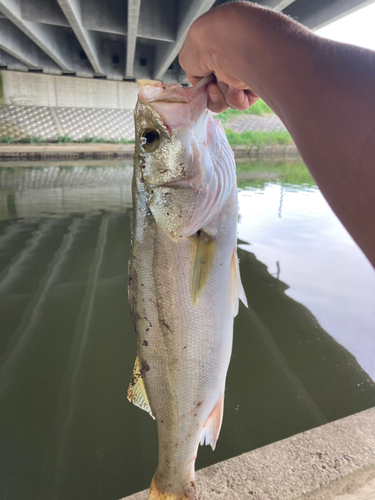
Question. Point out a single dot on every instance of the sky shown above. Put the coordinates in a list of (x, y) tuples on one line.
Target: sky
[(357, 28)]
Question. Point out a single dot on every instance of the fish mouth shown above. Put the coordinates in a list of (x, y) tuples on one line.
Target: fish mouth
[(153, 91)]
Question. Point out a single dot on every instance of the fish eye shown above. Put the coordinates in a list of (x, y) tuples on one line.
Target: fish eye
[(150, 139)]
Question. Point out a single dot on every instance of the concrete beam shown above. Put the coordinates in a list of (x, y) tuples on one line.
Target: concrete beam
[(8, 61), (107, 17), (166, 54), (15, 43), (71, 10), (112, 53), (133, 19), (144, 60), (43, 11), (41, 35), (319, 13), (19, 46), (158, 20), (276, 5), (36, 89)]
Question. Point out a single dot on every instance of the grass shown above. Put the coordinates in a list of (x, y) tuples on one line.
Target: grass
[(6, 139), (259, 139), (259, 108)]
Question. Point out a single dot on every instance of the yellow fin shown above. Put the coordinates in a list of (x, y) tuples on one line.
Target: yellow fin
[(237, 291), (137, 391), (211, 429), (204, 258), (188, 492)]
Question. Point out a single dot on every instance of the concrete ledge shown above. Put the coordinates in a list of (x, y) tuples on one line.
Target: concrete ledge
[(336, 460), (72, 151), (92, 151)]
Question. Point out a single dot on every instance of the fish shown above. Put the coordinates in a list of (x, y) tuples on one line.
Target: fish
[(184, 280)]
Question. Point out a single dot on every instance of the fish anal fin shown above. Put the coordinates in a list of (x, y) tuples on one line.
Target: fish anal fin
[(137, 391), (211, 429), (237, 291), (188, 492), (204, 258)]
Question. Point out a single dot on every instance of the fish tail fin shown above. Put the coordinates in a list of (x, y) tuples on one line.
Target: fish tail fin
[(188, 492)]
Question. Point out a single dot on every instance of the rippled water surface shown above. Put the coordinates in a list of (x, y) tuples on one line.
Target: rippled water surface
[(67, 346)]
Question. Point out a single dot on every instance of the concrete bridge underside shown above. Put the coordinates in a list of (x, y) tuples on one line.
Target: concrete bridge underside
[(121, 39)]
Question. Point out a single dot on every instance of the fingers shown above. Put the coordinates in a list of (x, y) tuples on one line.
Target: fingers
[(193, 79), (240, 99), (222, 96), (216, 99)]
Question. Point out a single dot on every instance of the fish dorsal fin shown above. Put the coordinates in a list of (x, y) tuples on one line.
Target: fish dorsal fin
[(137, 391), (211, 429), (204, 258), (237, 291)]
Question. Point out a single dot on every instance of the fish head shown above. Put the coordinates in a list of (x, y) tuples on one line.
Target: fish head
[(185, 164)]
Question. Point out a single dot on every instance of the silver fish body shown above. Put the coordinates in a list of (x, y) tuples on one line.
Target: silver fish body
[(184, 279)]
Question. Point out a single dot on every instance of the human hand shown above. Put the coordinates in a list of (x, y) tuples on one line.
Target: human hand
[(199, 57)]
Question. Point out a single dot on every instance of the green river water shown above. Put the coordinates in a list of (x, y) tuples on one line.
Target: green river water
[(303, 351)]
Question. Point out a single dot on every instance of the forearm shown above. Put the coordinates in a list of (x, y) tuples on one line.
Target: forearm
[(325, 94)]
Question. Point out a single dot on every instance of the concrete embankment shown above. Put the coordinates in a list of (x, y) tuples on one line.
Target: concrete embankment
[(54, 152), (333, 462), (93, 151)]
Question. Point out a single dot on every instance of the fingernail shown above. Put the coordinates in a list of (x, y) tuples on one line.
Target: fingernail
[(214, 97)]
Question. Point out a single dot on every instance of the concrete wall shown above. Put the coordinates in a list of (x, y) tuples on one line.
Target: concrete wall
[(48, 123), (33, 89)]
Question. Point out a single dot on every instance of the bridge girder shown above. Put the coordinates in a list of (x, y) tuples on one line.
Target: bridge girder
[(121, 39)]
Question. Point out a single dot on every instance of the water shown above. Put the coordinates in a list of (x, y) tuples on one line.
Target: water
[(67, 350)]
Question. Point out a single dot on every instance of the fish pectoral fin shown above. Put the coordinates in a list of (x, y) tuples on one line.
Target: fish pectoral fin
[(137, 391), (211, 429), (204, 258), (237, 291)]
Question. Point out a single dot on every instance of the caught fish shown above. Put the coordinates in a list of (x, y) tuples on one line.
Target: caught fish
[(184, 282)]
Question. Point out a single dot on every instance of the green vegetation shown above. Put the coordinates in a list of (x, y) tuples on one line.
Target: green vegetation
[(259, 108), (2, 96), (95, 139), (92, 140), (259, 139), (6, 139), (65, 139), (256, 175), (30, 140)]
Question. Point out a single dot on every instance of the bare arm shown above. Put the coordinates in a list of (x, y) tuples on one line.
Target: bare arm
[(323, 91)]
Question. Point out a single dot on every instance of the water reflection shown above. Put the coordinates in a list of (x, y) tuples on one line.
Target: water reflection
[(67, 348), (324, 268)]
